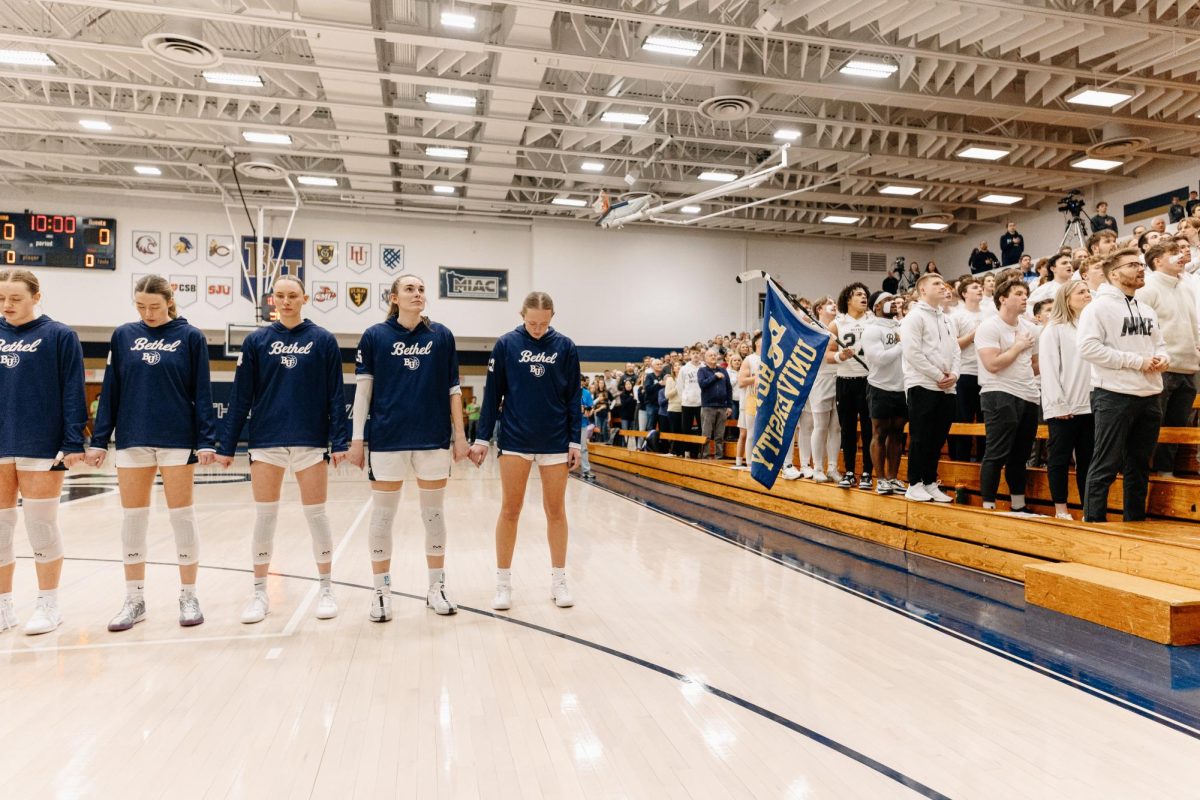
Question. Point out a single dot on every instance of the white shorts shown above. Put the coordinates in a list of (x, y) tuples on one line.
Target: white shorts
[(541, 459), (134, 457), (400, 465), (298, 458), (30, 464)]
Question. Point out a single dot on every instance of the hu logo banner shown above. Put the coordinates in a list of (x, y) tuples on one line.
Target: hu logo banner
[(791, 355)]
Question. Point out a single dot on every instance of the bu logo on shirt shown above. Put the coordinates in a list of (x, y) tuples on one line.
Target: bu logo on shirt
[(151, 357), (289, 361), (10, 360), (412, 363), (537, 369)]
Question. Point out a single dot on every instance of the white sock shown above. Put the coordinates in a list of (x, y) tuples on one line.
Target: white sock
[(135, 588), (382, 581), (188, 590), (504, 577), (326, 580), (557, 575), (48, 594), (1018, 500), (260, 584), (6, 596), (437, 576)]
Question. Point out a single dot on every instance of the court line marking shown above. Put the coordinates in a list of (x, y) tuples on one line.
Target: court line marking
[(1154, 716)]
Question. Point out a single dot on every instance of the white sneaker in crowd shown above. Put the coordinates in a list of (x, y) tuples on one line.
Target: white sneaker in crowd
[(790, 473), (807, 472), (820, 477), (918, 493), (46, 617), (1064, 515), (8, 614), (257, 609), (937, 495), (326, 605)]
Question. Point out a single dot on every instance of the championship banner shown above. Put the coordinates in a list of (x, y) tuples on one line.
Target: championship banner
[(791, 354)]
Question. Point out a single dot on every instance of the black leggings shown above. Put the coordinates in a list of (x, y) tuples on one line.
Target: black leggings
[(690, 424), (853, 413), (1075, 435)]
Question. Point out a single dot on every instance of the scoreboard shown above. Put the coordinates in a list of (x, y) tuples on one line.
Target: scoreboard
[(57, 240)]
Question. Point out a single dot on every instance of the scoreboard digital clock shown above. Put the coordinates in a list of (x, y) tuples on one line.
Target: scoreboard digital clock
[(57, 240)]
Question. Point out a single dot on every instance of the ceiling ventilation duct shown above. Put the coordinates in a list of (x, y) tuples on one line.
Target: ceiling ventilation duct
[(261, 169), (1118, 139), (181, 41), (729, 103)]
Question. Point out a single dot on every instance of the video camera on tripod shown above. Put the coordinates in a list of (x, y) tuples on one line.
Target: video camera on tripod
[(1072, 203)]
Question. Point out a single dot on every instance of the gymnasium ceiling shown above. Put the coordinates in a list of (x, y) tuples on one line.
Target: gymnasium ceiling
[(350, 83)]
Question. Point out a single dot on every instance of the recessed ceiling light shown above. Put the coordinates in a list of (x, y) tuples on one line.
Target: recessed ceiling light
[(456, 19), (574, 202), (232, 79), (672, 46), (316, 180), (690, 209), (718, 177), (904, 191), (1105, 98), (930, 226), (787, 135), (1001, 199), (446, 152), (94, 125), (1102, 164), (865, 68), (144, 170), (625, 117), (26, 58), (442, 99), (838, 219), (592, 166), (442, 188), (982, 152), (259, 137)]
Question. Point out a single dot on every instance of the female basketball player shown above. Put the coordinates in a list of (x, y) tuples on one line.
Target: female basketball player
[(408, 382), (41, 381), (289, 379), (157, 396), (534, 372)]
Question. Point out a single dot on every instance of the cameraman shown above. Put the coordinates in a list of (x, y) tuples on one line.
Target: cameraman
[(1102, 221)]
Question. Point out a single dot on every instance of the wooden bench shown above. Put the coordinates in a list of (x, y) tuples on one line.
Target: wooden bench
[(688, 438), (1162, 612), (1165, 435)]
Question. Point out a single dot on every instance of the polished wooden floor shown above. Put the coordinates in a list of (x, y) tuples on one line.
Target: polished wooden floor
[(818, 693)]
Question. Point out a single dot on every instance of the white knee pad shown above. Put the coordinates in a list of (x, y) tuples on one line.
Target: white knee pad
[(322, 535), (133, 535), (8, 528), (435, 522), (262, 543), (383, 515), (41, 523), (187, 541)]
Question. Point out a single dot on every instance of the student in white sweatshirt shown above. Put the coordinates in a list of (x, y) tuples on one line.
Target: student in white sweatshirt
[(1121, 339), (1066, 395), (1175, 304), (885, 390), (932, 362)]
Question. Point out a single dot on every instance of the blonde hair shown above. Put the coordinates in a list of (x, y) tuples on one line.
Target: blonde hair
[(537, 300), (21, 276), (157, 284), (289, 277), (1061, 312)]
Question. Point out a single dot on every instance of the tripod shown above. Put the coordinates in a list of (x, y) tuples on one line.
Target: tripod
[(1075, 232)]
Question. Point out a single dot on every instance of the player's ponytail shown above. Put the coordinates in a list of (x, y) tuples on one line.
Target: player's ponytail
[(157, 284)]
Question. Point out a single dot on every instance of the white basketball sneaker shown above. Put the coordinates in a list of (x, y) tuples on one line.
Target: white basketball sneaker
[(46, 617), (381, 606), (917, 493), (503, 599), (326, 605), (790, 473), (133, 612), (8, 614), (257, 609), (937, 495), (438, 601), (561, 594), (190, 614)]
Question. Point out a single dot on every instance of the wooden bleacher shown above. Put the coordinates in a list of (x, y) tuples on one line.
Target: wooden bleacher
[(1152, 566)]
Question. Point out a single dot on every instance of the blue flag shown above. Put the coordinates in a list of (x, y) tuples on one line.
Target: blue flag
[(792, 353)]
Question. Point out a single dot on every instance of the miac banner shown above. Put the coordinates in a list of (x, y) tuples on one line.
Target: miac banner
[(791, 355)]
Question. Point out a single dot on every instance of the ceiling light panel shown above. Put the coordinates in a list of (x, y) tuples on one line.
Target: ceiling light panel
[(982, 152), (1108, 97), (901, 191), (625, 117), (1001, 199), (839, 219)]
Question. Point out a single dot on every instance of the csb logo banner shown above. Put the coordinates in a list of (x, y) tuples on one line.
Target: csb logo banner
[(791, 355)]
